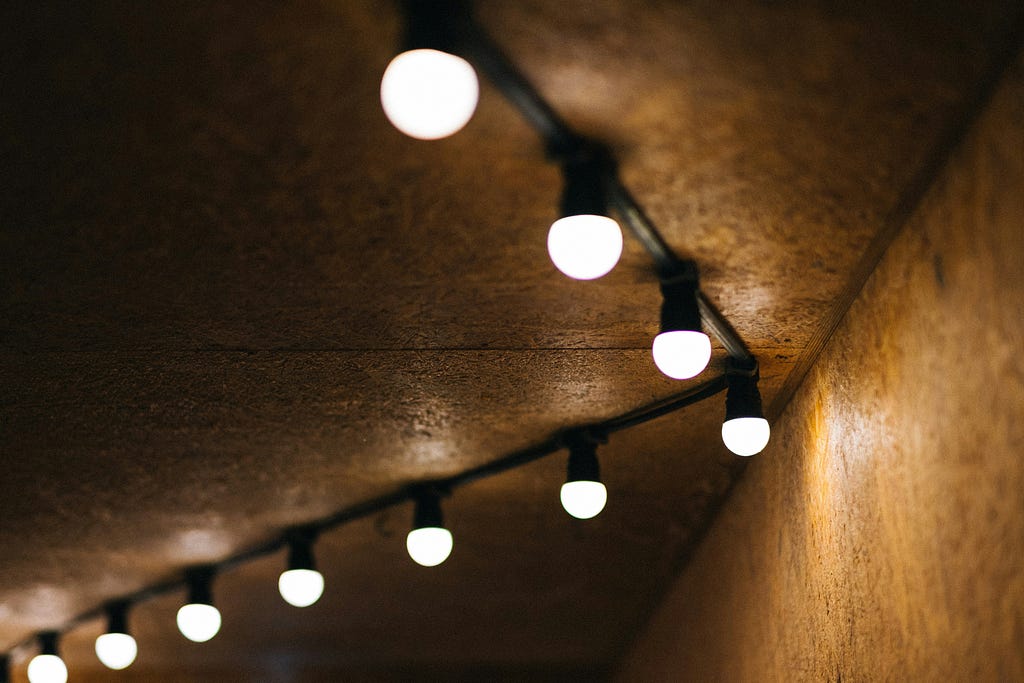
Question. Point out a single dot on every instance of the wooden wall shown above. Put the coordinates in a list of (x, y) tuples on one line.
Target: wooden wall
[(881, 534)]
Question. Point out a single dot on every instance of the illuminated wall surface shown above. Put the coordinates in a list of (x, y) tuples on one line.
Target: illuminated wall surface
[(880, 536)]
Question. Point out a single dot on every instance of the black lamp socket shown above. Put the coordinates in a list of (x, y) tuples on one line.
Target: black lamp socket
[(583, 465), (743, 398), (199, 586), (679, 309), (428, 511)]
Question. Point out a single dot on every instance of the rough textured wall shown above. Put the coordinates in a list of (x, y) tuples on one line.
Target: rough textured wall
[(881, 534)]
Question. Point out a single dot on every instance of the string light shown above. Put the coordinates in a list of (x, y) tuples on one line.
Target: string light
[(428, 92), (429, 543), (583, 495), (585, 243), (744, 431), (301, 584), (199, 620), (116, 648), (682, 350), (47, 666)]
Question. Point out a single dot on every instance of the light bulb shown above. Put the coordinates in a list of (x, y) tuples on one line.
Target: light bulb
[(116, 650), (429, 94), (583, 495), (746, 435), (198, 622), (301, 587), (583, 499), (744, 431), (47, 668), (585, 247), (429, 546), (682, 354)]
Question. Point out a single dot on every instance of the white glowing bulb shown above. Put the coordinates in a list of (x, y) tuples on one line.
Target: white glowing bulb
[(682, 354), (116, 650), (429, 546), (584, 499), (429, 94), (47, 669), (301, 587), (198, 622), (585, 247), (746, 435)]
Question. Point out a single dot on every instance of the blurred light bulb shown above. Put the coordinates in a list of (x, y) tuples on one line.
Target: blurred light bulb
[(744, 431), (429, 94), (198, 622), (746, 435), (583, 495), (584, 499), (585, 247), (116, 650), (47, 669), (682, 354), (301, 587), (429, 546)]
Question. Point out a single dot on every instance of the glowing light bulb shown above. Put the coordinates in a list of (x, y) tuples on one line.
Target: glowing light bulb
[(585, 247), (301, 587), (198, 622), (744, 431), (47, 668), (429, 94), (583, 495), (301, 584), (746, 435), (116, 650), (429, 543), (583, 499), (682, 354), (429, 546)]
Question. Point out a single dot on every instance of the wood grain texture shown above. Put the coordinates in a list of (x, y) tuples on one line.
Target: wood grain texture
[(881, 534)]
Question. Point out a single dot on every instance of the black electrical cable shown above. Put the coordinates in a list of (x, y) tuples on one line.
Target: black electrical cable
[(666, 261), (559, 139), (743, 359)]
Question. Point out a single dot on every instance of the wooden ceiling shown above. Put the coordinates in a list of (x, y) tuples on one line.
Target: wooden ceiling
[(235, 299)]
